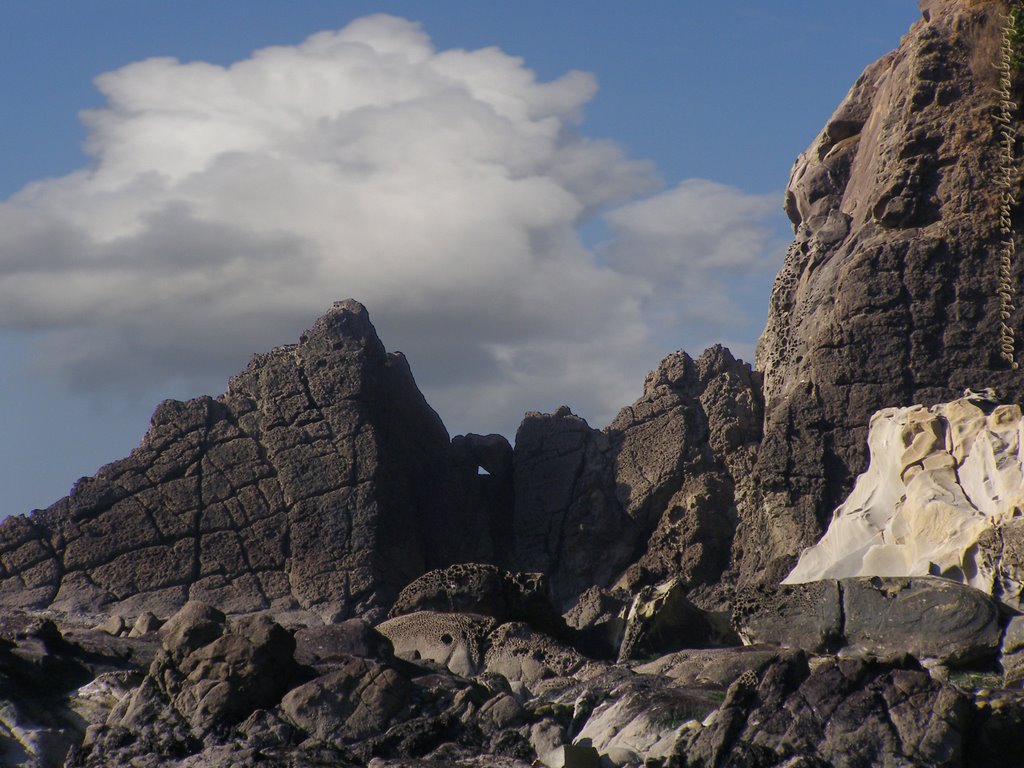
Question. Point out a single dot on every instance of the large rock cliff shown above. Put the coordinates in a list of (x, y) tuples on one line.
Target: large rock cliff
[(312, 483), (888, 295)]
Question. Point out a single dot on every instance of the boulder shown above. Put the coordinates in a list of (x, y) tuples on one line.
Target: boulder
[(928, 618), (521, 654), (807, 616), (453, 640), (327, 646), (357, 700)]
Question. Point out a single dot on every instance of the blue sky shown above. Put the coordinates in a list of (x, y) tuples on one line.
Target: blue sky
[(592, 224)]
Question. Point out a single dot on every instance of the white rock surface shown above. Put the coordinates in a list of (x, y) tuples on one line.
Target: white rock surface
[(939, 479)]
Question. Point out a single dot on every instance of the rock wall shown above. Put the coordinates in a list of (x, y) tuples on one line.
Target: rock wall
[(888, 293)]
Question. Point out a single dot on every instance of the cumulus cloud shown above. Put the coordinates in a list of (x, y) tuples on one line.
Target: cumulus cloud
[(226, 207)]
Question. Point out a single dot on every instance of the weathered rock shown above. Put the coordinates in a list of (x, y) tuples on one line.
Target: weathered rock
[(454, 640), (660, 620), (355, 701), (1011, 653), (210, 675), (330, 645), (840, 713), (599, 618), (145, 624), (659, 481), (521, 654), (715, 668), (888, 294), (807, 616), (942, 485), (485, 590), (638, 723), (928, 618), (314, 482)]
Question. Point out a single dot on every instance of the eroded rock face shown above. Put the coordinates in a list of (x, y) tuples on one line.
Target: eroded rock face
[(314, 482), (888, 293), (651, 497), (945, 485)]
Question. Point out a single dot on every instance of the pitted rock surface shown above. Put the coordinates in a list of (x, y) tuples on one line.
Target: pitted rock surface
[(457, 641), (314, 482), (483, 589), (888, 293), (653, 496)]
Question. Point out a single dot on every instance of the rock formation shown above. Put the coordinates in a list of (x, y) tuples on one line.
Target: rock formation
[(650, 498), (888, 295), (306, 572), (943, 486), (314, 483)]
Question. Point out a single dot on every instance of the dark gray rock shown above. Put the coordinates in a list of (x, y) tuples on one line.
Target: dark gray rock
[(327, 646), (929, 618), (521, 654), (357, 700), (486, 590), (316, 482), (843, 713), (650, 498), (807, 616), (924, 617), (662, 619)]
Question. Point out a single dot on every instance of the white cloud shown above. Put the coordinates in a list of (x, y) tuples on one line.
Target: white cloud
[(225, 208)]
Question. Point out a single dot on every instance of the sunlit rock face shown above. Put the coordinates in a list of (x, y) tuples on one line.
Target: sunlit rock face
[(942, 495)]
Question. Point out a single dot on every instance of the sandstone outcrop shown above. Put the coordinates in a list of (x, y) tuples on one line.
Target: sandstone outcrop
[(888, 295), (944, 489)]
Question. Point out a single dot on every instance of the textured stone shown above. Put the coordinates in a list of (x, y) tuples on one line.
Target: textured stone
[(662, 481), (454, 640), (844, 713), (355, 701), (928, 618), (486, 590), (521, 654), (660, 620), (888, 293), (807, 616), (314, 482), (330, 645), (942, 485)]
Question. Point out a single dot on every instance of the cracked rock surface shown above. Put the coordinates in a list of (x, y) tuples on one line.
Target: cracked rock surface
[(313, 483)]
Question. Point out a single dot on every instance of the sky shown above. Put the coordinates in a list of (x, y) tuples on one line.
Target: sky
[(536, 201)]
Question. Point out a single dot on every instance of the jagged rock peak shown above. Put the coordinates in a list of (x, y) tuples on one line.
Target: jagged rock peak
[(889, 293), (313, 483), (651, 497)]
